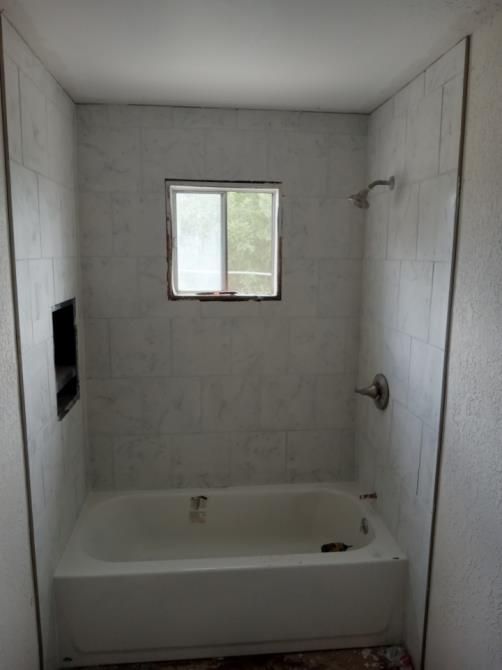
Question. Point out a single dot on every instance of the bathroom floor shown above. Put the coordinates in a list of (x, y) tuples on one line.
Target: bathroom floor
[(381, 658)]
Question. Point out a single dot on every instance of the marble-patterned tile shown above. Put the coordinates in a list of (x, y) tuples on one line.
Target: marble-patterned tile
[(287, 401), (317, 345), (95, 223), (171, 154), (201, 460), (13, 102), (390, 155), (259, 119), (224, 151), (36, 388), (396, 355), (124, 116), (92, 116), (138, 224), (42, 298), (299, 292), (51, 225), (445, 68), (34, 126), (25, 212), (339, 287), (155, 116), (231, 402), (427, 471), (110, 287), (403, 223), (403, 456), (388, 487), (140, 347), (109, 159), (333, 124), (201, 346), (347, 165), (97, 348), (57, 220), (409, 96), (317, 456), (171, 404), (423, 138), (61, 146), (439, 304), (451, 125), (381, 284), (66, 280), (115, 406), (23, 287), (415, 293), (377, 427), (334, 401), (258, 458), (142, 463), (300, 161), (377, 226), (437, 206), (335, 230), (101, 464), (426, 382), (247, 344), (204, 117), (152, 287)]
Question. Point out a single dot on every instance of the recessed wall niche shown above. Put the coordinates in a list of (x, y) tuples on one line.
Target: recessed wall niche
[(65, 356)]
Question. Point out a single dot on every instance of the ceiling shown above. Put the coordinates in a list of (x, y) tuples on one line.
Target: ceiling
[(333, 55)]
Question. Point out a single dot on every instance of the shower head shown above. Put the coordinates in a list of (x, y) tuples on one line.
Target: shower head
[(360, 199)]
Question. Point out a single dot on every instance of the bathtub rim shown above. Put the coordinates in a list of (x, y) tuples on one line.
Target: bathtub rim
[(76, 562)]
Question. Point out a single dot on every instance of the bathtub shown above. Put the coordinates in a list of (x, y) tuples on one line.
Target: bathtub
[(152, 576)]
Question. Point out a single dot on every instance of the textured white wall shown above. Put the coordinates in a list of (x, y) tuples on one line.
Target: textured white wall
[(18, 634), (406, 272), (42, 141), (207, 394), (465, 624)]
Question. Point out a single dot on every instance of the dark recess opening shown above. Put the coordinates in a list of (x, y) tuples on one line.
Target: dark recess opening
[(65, 356)]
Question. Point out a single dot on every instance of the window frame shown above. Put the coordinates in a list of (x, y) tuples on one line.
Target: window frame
[(215, 186)]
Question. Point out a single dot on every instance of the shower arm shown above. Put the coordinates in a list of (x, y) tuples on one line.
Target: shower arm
[(382, 182)]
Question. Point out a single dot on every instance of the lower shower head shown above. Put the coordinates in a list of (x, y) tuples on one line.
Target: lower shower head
[(360, 199)]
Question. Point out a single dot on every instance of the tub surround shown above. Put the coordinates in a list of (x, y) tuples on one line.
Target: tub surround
[(42, 139), (415, 136), (183, 393)]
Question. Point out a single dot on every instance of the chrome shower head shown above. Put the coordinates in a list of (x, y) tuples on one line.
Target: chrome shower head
[(360, 199)]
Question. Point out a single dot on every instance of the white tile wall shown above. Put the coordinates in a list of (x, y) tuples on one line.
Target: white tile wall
[(217, 391), (405, 292), (41, 123)]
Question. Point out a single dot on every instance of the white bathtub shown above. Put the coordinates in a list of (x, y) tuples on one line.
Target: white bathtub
[(145, 578)]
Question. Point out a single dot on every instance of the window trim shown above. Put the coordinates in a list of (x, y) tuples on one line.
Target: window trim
[(211, 186)]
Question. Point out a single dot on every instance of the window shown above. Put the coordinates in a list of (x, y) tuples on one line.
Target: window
[(223, 240)]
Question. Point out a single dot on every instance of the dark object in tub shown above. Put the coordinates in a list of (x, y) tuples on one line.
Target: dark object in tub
[(331, 547)]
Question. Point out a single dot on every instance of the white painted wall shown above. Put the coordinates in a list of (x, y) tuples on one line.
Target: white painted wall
[(18, 633), (42, 140), (406, 272), (207, 394), (465, 624)]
